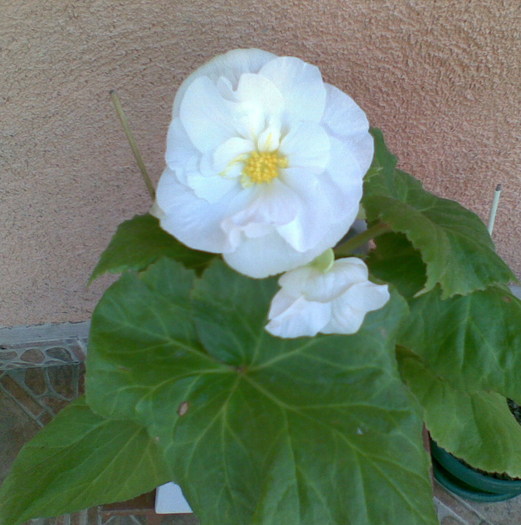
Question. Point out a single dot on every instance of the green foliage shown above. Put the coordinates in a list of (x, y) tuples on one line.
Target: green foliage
[(477, 427), (453, 242), (258, 429), (139, 242), (474, 341), (79, 460), (394, 260)]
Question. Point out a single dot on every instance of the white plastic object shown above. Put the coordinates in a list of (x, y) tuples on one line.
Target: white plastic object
[(170, 500)]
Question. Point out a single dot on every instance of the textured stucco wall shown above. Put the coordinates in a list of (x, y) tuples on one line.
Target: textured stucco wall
[(441, 78)]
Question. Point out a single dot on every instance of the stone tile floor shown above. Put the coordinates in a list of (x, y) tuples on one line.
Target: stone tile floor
[(31, 396)]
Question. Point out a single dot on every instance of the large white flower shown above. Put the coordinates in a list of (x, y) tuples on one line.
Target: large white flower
[(334, 301), (264, 162)]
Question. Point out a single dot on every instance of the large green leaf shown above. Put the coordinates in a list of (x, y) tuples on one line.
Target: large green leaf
[(394, 260), (477, 427), (77, 461), (474, 341), (257, 429), (453, 241), (139, 242), (139, 328)]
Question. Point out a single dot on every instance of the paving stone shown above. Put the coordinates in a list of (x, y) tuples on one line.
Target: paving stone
[(33, 356), (23, 398), (63, 380), (35, 380), (59, 353), (55, 403), (7, 355), (503, 513), (449, 520), (17, 428)]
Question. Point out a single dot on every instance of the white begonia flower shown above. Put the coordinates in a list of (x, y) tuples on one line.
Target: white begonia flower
[(333, 301), (264, 162)]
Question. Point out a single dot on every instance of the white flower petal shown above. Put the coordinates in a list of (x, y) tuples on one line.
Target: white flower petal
[(229, 67), (366, 296), (307, 147), (343, 289), (348, 312), (295, 281), (301, 85), (344, 119), (268, 255), (269, 139), (228, 154), (269, 206), (206, 116), (344, 321), (296, 318), (258, 101), (180, 150), (309, 229), (193, 220), (212, 189), (249, 101)]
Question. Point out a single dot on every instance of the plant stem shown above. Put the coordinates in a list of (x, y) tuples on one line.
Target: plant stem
[(132, 142), (355, 242), (493, 210)]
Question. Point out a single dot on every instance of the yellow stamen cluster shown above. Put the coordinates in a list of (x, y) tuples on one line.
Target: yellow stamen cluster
[(264, 166)]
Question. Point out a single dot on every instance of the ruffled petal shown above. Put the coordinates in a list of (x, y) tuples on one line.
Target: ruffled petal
[(331, 285), (230, 66), (344, 119), (310, 228), (270, 205), (258, 100), (181, 155), (229, 153), (344, 321), (206, 116), (267, 255), (269, 139), (301, 85), (193, 220), (349, 309), (212, 189), (291, 317), (307, 147)]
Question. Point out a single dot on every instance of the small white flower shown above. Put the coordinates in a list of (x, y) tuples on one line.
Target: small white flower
[(264, 162), (335, 301)]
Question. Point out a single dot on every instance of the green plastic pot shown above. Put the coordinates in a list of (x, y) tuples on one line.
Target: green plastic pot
[(464, 481)]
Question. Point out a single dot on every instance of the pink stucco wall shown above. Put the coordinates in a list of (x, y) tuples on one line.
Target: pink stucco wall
[(440, 77)]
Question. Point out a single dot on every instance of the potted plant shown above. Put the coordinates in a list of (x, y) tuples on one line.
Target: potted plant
[(469, 483), (289, 380)]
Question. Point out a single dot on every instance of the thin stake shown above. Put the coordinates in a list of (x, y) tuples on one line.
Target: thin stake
[(132, 142), (493, 209)]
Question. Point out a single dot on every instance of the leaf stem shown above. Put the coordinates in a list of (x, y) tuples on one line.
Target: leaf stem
[(132, 142), (355, 242)]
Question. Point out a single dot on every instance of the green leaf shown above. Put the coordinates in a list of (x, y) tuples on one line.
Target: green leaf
[(396, 261), (77, 461), (257, 429), (139, 242), (140, 326), (477, 427), (453, 241), (383, 161), (474, 341)]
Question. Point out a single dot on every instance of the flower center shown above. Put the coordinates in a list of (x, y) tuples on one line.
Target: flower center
[(264, 166)]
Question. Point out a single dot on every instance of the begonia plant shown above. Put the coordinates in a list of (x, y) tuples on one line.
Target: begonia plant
[(251, 351)]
